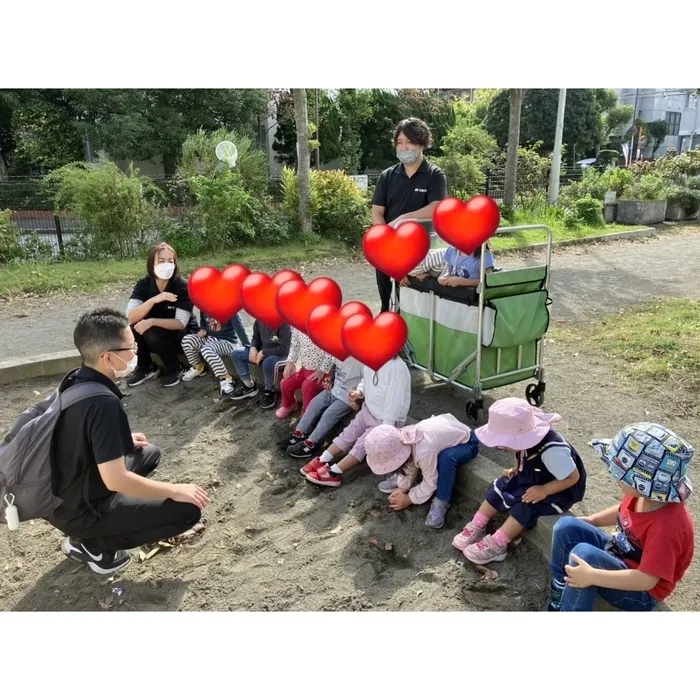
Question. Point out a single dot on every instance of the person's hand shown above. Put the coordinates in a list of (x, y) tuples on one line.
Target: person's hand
[(579, 576), (396, 222), (142, 326), (289, 370), (355, 395), (327, 384), (534, 494), (139, 440), (189, 493), (165, 296), (586, 519), (201, 333), (405, 282), (448, 281), (317, 376), (354, 405), (252, 355), (422, 276), (399, 500), (214, 325), (510, 473), (259, 357)]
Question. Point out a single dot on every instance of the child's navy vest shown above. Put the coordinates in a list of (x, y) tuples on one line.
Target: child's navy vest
[(534, 472)]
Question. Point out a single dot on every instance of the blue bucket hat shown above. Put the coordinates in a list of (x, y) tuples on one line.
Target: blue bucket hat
[(650, 458)]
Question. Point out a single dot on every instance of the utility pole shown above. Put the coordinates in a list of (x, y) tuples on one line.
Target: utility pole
[(318, 136), (555, 170)]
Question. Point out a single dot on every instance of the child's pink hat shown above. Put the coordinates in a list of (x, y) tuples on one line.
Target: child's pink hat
[(515, 424), (387, 448)]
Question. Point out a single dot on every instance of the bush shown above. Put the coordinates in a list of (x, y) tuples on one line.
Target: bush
[(591, 185), (589, 212), (115, 204), (181, 235), (465, 178), (230, 215), (199, 159), (10, 249), (36, 249), (339, 208), (647, 187), (687, 197), (616, 180)]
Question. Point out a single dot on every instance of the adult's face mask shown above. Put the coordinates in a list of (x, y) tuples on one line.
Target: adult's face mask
[(130, 367), (164, 271), (407, 157)]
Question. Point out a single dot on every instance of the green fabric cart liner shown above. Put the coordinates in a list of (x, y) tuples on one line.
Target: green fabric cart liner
[(452, 347), (519, 319)]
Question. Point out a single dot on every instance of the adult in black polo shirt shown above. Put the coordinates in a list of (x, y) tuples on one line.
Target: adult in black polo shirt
[(100, 467), (409, 190), (160, 314)]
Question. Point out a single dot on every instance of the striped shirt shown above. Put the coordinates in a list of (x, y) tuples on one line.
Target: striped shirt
[(433, 264)]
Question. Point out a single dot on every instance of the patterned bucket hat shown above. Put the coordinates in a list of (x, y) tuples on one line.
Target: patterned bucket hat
[(650, 458)]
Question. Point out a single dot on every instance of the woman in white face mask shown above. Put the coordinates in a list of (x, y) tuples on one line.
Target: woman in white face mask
[(160, 315)]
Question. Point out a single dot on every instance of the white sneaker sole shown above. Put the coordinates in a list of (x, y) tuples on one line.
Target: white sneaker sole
[(481, 562), (387, 490), (150, 375), (72, 553)]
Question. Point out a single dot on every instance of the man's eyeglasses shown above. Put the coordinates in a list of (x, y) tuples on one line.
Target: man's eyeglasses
[(134, 348)]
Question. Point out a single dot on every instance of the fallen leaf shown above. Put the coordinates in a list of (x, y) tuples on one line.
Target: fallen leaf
[(280, 561), (107, 602), (486, 573), (21, 316), (336, 530), (419, 592), (374, 513), (388, 546), (37, 393), (374, 542)]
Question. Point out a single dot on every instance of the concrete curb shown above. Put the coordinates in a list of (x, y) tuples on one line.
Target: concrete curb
[(39, 366), (620, 235)]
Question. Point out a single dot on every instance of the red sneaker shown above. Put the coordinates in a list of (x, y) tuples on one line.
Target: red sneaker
[(323, 476), (312, 466)]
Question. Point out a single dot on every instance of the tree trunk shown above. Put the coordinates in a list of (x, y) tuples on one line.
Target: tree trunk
[(516, 103), (3, 169), (301, 117)]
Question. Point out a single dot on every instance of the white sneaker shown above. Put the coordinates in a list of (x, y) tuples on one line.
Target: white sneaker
[(225, 387), (390, 484), (192, 373)]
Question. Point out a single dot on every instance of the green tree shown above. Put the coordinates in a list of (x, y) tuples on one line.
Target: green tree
[(658, 130), (582, 119)]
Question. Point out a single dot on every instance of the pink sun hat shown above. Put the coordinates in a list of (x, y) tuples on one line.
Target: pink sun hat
[(515, 424), (387, 448)]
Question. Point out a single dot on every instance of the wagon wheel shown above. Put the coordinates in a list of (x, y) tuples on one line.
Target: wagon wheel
[(475, 409), (535, 394)]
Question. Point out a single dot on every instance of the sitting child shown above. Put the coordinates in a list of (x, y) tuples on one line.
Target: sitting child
[(307, 366), (435, 447), (452, 268), (213, 341), (325, 410), (269, 347), (549, 477), (653, 546), (387, 398)]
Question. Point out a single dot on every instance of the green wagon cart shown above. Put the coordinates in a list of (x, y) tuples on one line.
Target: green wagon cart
[(493, 339)]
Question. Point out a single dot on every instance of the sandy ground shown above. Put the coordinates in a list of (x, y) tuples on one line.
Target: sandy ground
[(274, 542)]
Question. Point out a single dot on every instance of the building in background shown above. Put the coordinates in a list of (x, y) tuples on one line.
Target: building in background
[(678, 107)]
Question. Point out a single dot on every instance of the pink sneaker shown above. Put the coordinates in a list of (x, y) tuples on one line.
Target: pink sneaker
[(283, 412), (468, 536), (485, 551)]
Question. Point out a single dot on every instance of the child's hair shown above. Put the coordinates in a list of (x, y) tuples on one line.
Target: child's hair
[(477, 252)]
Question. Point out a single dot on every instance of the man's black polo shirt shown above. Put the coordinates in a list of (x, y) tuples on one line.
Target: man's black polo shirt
[(91, 432), (400, 194)]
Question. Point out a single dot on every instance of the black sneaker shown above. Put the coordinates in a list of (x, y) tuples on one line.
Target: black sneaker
[(244, 392), (171, 379), (140, 375), (289, 441), (302, 450), (100, 562), (269, 400)]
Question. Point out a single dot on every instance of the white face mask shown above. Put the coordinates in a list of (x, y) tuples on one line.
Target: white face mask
[(164, 271), (130, 367)]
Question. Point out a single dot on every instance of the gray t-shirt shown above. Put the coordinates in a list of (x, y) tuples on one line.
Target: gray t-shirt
[(347, 376)]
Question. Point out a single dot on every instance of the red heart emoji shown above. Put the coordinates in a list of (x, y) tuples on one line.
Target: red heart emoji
[(217, 294), (296, 300), (396, 251), (325, 326), (374, 342), (466, 226), (259, 295)]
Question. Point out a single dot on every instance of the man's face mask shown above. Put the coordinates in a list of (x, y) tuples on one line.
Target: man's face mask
[(408, 157)]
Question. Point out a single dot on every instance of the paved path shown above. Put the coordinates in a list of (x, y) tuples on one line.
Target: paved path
[(585, 282)]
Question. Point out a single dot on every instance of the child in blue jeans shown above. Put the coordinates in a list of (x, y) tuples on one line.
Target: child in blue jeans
[(652, 548), (269, 347)]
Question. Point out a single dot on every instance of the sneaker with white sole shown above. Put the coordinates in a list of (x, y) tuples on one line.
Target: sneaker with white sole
[(244, 392), (437, 514), (469, 535), (485, 551), (225, 387), (140, 375), (390, 484), (193, 373), (102, 563)]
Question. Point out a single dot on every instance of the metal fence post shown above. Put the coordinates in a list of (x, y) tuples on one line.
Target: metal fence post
[(59, 234)]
